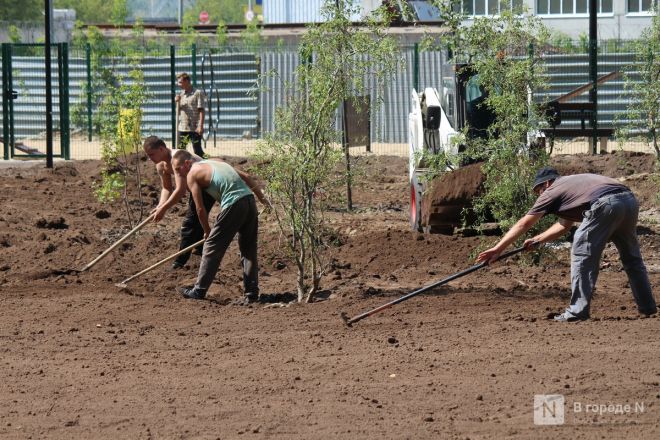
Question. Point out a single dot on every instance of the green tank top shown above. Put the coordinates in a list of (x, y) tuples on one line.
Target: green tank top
[(226, 185)]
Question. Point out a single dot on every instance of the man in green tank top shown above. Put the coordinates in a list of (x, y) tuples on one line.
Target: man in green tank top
[(234, 190)]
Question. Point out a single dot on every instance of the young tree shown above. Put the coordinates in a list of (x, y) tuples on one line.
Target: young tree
[(118, 100), (121, 140), (299, 159), (362, 57), (643, 80)]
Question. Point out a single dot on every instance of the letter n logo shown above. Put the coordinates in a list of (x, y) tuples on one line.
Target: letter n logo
[(548, 409)]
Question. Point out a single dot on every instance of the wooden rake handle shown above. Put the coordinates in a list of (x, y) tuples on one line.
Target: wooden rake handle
[(161, 262), (117, 243)]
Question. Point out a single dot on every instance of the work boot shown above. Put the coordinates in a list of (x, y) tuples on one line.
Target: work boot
[(251, 297), (192, 292), (567, 316)]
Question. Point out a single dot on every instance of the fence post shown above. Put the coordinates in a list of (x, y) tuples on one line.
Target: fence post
[(416, 67), (593, 72), (173, 92), (88, 56), (6, 96), (63, 77), (10, 89), (194, 64)]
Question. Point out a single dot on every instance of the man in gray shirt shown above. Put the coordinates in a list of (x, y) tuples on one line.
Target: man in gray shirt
[(607, 211)]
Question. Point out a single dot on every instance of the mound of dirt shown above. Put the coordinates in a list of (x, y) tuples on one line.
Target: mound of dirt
[(459, 186), (619, 164)]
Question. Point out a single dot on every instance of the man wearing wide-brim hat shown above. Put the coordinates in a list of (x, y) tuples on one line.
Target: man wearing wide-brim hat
[(607, 211)]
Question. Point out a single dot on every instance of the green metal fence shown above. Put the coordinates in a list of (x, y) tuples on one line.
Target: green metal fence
[(239, 112)]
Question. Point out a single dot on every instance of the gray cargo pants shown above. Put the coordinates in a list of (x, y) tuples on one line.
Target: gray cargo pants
[(241, 218), (612, 217)]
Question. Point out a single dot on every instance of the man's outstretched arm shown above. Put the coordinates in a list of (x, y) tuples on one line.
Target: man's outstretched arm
[(523, 225), (555, 231)]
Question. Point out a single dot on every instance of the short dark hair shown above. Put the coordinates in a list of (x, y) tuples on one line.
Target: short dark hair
[(153, 143), (181, 155), (183, 75)]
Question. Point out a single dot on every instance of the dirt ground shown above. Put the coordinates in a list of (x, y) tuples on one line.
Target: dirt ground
[(81, 358)]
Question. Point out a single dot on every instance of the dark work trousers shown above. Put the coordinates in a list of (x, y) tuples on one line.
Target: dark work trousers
[(612, 217), (241, 218), (192, 137), (191, 228)]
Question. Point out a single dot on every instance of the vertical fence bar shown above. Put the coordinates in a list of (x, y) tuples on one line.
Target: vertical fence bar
[(65, 129), (60, 87), (88, 58), (10, 88), (173, 92), (593, 71), (194, 64), (6, 96)]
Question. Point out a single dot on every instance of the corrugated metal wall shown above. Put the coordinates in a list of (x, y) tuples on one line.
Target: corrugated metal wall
[(227, 77), (389, 117), (296, 11), (244, 108)]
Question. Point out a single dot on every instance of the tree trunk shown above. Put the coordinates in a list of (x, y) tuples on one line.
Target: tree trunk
[(349, 177)]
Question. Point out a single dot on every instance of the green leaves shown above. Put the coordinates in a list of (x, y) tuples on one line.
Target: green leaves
[(642, 80), (300, 159)]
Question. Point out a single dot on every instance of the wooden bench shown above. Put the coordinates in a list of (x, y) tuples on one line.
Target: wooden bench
[(574, 111)]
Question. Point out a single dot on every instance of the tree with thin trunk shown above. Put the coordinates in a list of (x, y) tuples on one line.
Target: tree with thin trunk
[(642, 80), (300, 158)]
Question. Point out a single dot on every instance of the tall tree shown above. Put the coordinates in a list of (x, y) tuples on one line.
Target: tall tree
[(88, 11), (26, 10)]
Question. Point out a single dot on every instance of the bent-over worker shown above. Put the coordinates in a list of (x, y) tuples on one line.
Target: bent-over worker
[(607, 210), (234, 190)]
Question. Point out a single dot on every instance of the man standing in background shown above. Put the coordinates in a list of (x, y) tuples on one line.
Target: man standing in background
[(191, 114)]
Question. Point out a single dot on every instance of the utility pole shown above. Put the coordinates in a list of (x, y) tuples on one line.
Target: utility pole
[(49, 91)]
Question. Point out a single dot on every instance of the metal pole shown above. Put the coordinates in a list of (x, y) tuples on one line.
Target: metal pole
[(593, 70), (88, 56), (173, 91), (66, 115), (6, 96), (194, 64), (180, 13), (10, 85), (416, 67), (49, 91)]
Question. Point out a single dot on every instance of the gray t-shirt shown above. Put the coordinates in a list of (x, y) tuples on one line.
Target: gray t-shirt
[(569, 196)]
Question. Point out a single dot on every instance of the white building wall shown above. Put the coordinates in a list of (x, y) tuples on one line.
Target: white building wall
[(617, 24)]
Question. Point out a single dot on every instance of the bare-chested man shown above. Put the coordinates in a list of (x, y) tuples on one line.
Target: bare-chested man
[(172, 192)]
